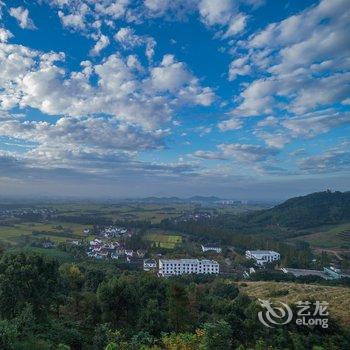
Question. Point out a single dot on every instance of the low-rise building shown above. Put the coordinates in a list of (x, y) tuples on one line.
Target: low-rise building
[(262, 257), (149, 264), (305, 272), (169, 267), (211, 247)]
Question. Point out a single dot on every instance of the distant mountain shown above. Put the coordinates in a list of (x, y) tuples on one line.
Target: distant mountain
[(313, 210), (163, 200)]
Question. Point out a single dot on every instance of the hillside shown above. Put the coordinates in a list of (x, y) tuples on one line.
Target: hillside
[(338, 297), (316, 209)]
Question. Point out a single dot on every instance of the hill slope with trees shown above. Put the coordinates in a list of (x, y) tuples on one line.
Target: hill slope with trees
[(313, 210)]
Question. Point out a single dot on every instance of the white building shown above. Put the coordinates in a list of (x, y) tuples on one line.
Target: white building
[(149, 264), (187, 266), (211, 247), (262, 257)]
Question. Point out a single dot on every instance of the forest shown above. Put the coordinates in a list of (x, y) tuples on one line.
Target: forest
[(47, 305)]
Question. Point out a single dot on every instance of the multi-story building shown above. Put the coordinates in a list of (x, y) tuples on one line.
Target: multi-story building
[(262, 257), (171, 267)]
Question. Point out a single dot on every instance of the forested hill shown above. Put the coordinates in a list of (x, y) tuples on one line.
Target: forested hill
[(307, 211)]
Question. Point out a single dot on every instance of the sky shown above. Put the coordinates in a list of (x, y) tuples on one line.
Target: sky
[(244, 99)]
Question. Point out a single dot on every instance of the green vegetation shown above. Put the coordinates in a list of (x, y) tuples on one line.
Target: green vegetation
[(313, 210), (56, 231), (337, 297), (163, 239), (47, 305), (68, 301), (337, 236)]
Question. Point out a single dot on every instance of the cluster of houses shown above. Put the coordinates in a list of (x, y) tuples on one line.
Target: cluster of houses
[(115, 231), (100, 249), (192, 217), (19, 212)]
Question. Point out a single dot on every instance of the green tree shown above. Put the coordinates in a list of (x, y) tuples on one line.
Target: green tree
[(27, 278), (217, 336), (178, 307), (8, 335)]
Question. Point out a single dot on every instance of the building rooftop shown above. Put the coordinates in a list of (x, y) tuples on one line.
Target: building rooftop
[(262, 252), (305, 272), (187, 261)]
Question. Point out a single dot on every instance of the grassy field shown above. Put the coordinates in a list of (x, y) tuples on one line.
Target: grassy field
[(11, 234), (330, 237), (57, 254), (337, 297), (163, 239)]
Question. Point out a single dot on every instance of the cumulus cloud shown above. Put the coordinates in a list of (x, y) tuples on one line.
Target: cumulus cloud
[(22, 16), (239, 66), (128, 39), (284, 130), (174, 77), (101, 43), (304, 59), (5, 35), (246, 153), (331, 161), (231, 124), (222, 13)]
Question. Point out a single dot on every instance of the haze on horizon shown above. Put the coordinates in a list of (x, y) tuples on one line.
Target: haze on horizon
[(244, 99)]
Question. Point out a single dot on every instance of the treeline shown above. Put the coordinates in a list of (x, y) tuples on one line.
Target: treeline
[(316, 209), (283, 220), (44, 305), (296, 255)]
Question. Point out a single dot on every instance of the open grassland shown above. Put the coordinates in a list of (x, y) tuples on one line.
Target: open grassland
[(56, 231), (163, 239), (329, 237), (337, 297)]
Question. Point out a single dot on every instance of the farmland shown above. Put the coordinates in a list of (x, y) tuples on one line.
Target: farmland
[(163, 240), (56, 231), (337, 236)]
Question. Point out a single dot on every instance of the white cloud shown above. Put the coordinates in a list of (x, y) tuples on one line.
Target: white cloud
[(246, 153), (305, 126), (332, 161), (101, 43), (74, 20), (22, 16), (128, 39), (230, 124), (223, 13), (304, 61), (5, 35), (34, 79), (239, 66), (174, 77)]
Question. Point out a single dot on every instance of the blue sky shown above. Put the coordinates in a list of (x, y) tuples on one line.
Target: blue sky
[(246, 99)]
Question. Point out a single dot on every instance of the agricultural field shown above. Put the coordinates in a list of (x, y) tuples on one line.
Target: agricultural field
[(329, 237), (149, 212), (337, 297), (56, 231), (163, 239)]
